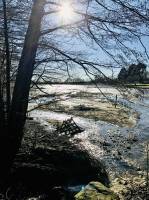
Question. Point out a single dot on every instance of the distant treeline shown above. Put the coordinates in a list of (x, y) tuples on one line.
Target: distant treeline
[(84, 82), (134, 74)]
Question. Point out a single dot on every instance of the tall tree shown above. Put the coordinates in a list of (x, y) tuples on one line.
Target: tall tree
[(110, 25), (11, 138)]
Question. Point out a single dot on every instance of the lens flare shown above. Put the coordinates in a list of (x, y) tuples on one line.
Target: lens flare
[(66, 12)]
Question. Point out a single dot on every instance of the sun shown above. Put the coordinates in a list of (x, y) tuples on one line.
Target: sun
[(66, 12)]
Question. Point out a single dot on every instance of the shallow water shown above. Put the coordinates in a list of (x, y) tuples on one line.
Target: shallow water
[(121, 149)]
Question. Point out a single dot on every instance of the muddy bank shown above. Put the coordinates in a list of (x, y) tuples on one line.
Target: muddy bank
[(121, 148), (48, 164), (62, 162)]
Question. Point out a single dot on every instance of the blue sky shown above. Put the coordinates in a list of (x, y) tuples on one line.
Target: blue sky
[(77, 42)]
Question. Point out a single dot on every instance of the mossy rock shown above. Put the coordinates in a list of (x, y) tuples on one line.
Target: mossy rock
[(96, 191)]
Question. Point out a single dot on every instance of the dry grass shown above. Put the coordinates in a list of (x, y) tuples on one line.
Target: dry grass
[(104, 111)]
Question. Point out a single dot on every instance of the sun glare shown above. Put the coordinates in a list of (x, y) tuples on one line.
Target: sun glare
[(66, 12)]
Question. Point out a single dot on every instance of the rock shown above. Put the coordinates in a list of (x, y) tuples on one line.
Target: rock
[(58, 167), (106, 143), (96, 191), (30, 118), (75, 164), (128, 147), (123, 182)]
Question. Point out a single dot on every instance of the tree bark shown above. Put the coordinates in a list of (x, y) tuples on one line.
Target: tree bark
[(11, 138), (8, 62)]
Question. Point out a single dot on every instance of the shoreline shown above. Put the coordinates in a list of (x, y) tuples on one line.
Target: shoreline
[(121, 149), (121, 184)]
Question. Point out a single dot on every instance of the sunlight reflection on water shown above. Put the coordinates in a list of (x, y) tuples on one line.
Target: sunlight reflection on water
[(97, 132)]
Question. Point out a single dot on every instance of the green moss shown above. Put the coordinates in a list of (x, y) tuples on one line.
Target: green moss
[(96, 191)]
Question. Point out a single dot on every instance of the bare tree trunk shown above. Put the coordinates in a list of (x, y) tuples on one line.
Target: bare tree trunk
[(11, 140), (8, 62), (2, 114)]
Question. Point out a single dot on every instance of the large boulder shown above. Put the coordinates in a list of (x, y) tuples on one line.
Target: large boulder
[(54, 167), (96, 191), (77, 165)]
